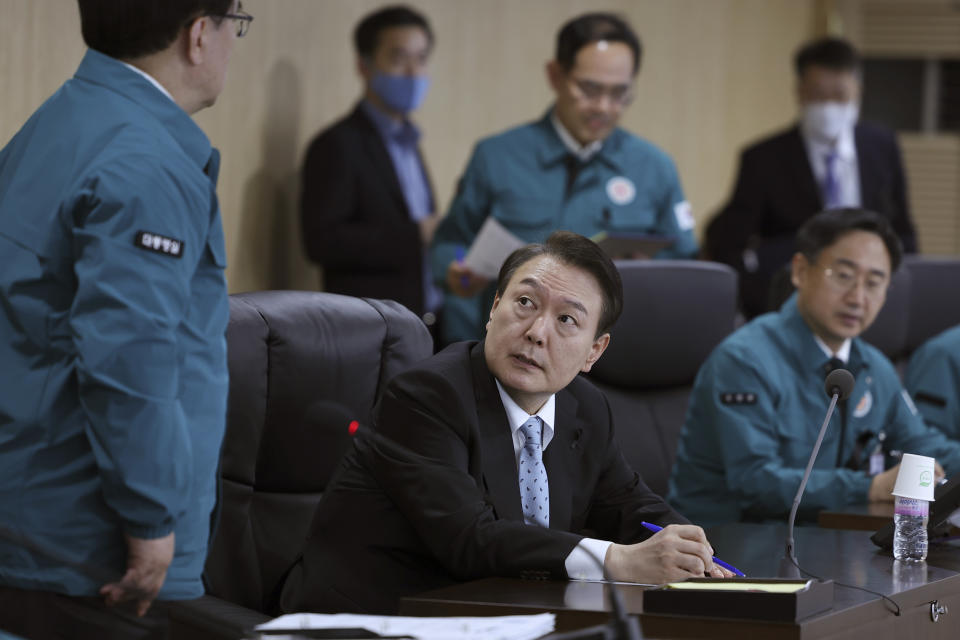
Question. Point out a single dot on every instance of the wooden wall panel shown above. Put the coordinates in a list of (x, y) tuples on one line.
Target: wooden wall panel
[(933, 176), (909, 27), (716, 74)]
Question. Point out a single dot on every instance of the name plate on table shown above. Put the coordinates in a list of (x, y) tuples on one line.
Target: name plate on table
[(770, 600)]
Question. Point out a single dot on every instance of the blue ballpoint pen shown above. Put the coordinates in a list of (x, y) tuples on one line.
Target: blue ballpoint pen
[(736, 572), (460, 254)]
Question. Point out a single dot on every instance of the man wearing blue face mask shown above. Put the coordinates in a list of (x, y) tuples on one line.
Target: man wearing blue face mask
[(825, 161), (367, 206)]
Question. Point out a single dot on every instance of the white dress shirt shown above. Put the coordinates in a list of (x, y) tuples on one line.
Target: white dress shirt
[(149, 78), (584, 152), (579, 563), (842, 354)]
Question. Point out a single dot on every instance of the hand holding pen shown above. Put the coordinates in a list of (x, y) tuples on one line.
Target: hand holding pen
[(729, 567), (461, 280)]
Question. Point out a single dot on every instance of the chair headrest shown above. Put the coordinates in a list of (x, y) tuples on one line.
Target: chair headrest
[(889, 330), (288, 351), (674, 313)]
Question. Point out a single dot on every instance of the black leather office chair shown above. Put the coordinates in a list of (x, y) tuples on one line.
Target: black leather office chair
[(288, 351), (934, 303), (674, 314)]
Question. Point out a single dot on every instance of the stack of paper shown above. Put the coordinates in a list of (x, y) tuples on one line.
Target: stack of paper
[(492, 628)]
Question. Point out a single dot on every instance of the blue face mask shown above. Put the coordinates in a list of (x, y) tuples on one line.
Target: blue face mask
[(401, 93)]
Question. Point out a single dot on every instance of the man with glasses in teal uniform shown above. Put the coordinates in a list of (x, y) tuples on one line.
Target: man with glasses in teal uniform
[(113, 313), (758, 401), (573, 169)]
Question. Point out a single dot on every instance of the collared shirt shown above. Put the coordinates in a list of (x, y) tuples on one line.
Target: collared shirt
[(847, 171), (578, 563), (401, 140), (516, 417), (842, 354), (149, 78), (582, 151)]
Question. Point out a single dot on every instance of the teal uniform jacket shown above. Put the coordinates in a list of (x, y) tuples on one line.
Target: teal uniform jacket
[(755, 410), (519, 177), (933, 379), (113, 312)]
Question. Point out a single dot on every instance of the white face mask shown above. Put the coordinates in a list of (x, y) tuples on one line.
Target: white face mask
[(825, 121)]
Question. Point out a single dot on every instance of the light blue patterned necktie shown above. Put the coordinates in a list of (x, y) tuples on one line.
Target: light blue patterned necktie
[(534, 490)]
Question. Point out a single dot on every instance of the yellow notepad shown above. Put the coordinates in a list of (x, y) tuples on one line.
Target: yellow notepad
[(740, 585)]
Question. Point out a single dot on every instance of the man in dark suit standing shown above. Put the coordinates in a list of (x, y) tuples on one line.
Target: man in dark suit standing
[(494, 458), (367, 208), (825, 161)]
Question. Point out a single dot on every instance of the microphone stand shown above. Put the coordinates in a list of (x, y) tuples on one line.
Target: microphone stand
[(788, 563)]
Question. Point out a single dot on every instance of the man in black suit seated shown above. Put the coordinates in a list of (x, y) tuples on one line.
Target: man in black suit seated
[(827, 160), (495, 458), (367, 207)]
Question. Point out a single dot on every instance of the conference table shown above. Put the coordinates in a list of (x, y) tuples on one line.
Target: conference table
[(923, 592)]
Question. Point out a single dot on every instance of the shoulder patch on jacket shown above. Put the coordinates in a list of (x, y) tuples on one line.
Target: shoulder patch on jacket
[(738, 397), (159, 244), (929, 398)]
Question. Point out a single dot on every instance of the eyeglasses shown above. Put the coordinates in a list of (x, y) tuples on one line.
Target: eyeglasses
[(619, 94), (844, 279), (243, 20)]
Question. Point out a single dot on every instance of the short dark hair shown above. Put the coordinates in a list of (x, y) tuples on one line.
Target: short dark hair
[(577, 251), (125, 30), (367, 34), (594, 27), (822, 230), (835, 54)]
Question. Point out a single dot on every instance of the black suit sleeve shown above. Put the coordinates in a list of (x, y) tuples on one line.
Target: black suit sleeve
[(424, 459), (901, 221), (730, 230), (345, 213)]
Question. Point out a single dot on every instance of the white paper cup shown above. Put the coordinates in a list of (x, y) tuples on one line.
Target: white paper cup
[(916, 478)]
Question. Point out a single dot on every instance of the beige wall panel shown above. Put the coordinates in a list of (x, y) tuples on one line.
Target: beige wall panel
[(716, 74), (933, 177), (904, 27)]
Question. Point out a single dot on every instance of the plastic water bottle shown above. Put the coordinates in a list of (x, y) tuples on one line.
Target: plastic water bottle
[(910, 534)]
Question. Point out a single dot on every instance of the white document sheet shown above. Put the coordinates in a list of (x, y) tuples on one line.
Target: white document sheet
[(480, 628), (490, 249)]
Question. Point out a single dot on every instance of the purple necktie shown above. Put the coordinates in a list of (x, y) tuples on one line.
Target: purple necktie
[(831, 186)]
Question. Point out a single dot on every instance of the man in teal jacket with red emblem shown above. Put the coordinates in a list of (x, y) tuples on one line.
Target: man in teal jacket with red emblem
[(572, 170)]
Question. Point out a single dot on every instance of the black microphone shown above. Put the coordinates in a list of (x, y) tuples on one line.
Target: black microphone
[(838, 385), (620, 627)]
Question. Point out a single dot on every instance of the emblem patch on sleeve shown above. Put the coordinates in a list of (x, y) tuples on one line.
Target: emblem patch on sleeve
[(684, 215), (159, 244), (738, 397)]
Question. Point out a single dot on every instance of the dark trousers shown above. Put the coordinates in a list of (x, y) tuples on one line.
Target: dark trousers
[(43, 615)]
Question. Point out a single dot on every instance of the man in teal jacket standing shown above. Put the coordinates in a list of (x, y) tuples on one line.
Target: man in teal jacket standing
[(573, 169), (933, 379), (113, 311), (758, 401)]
